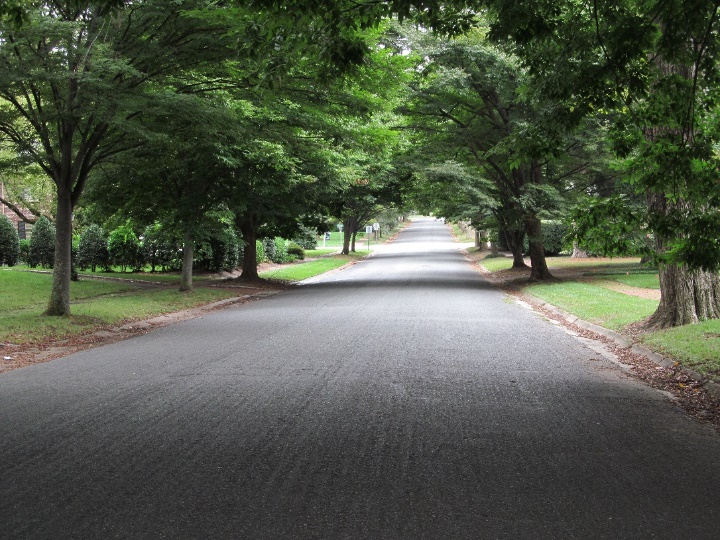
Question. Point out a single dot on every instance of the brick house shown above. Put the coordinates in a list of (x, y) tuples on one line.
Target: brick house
[(22, 227)]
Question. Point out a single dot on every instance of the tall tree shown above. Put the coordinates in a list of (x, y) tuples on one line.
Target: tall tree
[(474, 97), (656, 65), (73, 71)]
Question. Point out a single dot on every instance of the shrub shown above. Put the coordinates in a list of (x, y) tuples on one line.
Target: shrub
[(260, 256), (269, 249), (553, 238), (296, 251), (124, 248), (160, 248), (42, 244), (225, 250), (24, 256), (9, 242), (281, 253), (92, 249), (306, 238)]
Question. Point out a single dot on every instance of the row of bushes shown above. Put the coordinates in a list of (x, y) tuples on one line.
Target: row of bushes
[(156, 248)]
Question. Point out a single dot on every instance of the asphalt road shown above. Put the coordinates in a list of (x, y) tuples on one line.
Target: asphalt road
[(401, 398)]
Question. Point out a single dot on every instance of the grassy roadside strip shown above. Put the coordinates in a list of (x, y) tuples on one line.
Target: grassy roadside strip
[(329, 259), (305, 270), (95, 304), (694, 346)]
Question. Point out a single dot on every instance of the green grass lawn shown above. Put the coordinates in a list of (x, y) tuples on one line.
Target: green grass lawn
[(694, 345), (320, 252), (94, 304), (645, 281), (172, 278), (596, 304), (300, 271), (495, 264)]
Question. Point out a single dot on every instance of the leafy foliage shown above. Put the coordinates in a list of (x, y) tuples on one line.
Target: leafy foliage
[(124, 247), (42, 244), (295, 250), (611, 226), (93, 249), (160, 248), (9, 242), (306, 238)]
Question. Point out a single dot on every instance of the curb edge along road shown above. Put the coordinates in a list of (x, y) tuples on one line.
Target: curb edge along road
[(712, 388)]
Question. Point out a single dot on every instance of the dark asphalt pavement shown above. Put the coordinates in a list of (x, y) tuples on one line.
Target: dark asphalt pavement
[(400, 398)]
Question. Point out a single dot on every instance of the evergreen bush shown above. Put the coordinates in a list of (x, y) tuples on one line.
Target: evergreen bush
[(259, 252), (42, 244), (306, 238), (269, 249), (295, 250), (280, 255), (553, 238), (160, 248), (92, 249), (124, 248), (9, 242), (24, 256)]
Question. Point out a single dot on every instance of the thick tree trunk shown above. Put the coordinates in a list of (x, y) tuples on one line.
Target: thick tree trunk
[(249, 234), (59, 304), (686, 297), (538, 265), (353, 241), (187, 263), (349, 231), (494, 249)]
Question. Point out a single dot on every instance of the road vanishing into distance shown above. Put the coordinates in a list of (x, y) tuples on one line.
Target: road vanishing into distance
[(403, 397)]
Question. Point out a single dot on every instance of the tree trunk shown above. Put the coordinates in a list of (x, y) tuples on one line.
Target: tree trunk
[(478, 244), (59, 304), (514, 240), (538, 265), (349, 234), (686, 297), (187, 263), (249, 234), (346, 243), (494, 249), (579, 253)]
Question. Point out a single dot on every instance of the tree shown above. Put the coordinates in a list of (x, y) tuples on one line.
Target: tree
[(473, 98), (9, 242), (72, 72), (655, 64)]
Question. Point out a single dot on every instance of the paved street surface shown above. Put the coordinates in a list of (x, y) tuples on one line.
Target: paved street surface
[(400, 398)]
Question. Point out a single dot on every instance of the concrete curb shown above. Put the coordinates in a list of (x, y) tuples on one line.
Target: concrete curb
[(711, 387)]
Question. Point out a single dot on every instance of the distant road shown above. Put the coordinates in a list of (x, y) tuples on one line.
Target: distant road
[(400, 398)]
